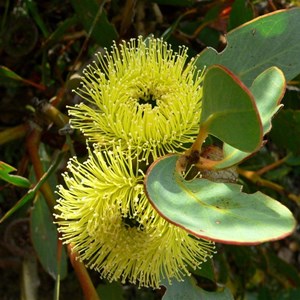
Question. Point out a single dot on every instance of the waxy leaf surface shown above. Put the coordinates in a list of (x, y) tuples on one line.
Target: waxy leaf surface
[(215, 211), (269, 40), (229, 111), (188, 289), (267, 89)]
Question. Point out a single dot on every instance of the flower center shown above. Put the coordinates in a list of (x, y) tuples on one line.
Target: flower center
[(132, 223), (147, 99)]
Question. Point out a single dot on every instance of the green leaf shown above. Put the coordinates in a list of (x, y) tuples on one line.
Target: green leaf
[(94, 20), (229, 111), (215, 211), (6, 72), (286, 130), (280, 173), (33, 9), (288, 294), (293, 160), (268, 89), (27, 197), (188, 289), (111, 291), (241, 12), (282, 270), (207, 270), (57, 35), (16, 180), (31, 193), (169, 31), (45, 239), (269, 40)]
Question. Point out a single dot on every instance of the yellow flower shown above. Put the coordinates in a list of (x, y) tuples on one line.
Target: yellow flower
[(143, 94), (142, 100), (104, 213)]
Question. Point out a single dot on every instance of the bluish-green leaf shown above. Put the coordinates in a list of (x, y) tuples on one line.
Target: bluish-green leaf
[(189, 290), (268, 89), (229, 111), (215, 211), (269, 40)]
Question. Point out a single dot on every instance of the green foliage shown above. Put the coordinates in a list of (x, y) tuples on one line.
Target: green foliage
[(16, 180), (45, 240), (44, 42), (241, 12), (258, 45), (229, 111), (215, 211), (94, 20), (33, 10), (219, 211), (189, 290), (31, 193), (111, 291), (5, 72), (285, 128), (267, 90)]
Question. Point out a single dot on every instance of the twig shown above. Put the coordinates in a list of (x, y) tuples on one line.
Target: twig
[(255, 178), (32, 144), (86, 284), (13, 133)]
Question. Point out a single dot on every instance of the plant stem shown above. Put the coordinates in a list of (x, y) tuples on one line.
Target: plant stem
[(57, 117), (13, 133), (86, 284), (39, 86), (192, 155), (255, 178), (271, 166), (32, 143), (202, 135)]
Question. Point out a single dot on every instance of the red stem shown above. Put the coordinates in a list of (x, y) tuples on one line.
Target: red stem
[(85, 281)]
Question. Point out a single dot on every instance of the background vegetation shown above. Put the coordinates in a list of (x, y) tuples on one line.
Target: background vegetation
[(43, 47)]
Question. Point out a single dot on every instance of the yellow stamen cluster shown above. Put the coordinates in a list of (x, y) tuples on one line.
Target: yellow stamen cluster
[(141, 101), (100, 196), (143, 94)]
